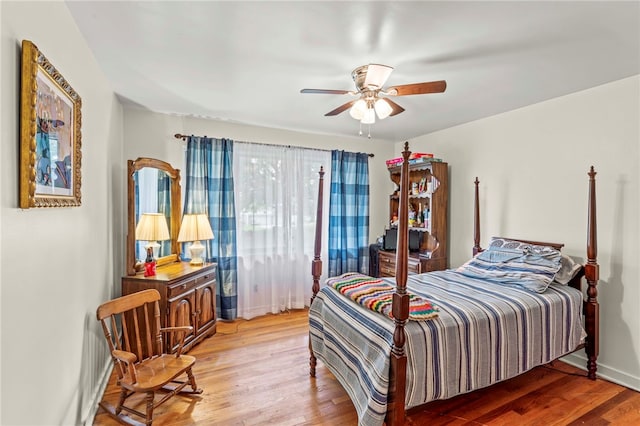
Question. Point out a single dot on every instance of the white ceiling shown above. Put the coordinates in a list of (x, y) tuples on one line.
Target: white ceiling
[(245, 62)]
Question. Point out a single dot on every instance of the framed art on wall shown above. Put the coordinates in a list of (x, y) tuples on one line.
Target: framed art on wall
[(50, 134)]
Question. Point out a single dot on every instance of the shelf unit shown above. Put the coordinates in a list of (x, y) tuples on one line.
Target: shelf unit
[(428, 183)]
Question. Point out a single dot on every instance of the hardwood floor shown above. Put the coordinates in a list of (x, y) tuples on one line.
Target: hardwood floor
[(257, 373)]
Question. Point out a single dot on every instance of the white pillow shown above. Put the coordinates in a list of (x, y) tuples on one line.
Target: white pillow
[(568, 270)]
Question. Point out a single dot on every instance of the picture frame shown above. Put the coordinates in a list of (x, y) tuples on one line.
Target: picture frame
[(50, 134)]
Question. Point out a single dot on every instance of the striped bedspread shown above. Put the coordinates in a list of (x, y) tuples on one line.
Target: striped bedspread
[(484, 333)]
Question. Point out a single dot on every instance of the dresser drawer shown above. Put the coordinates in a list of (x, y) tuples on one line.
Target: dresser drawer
[(184, 286), (180, 288), (386, 258), (205, 278), (414, 266), (386, 271), (387, 262)]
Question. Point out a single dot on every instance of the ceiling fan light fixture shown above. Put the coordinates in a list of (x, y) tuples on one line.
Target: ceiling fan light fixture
[(383, 109), (358, 109), (370, 81), (369, 116), (377, 75)]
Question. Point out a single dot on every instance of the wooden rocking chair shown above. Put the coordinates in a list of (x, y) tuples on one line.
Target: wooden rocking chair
[(137, 353)]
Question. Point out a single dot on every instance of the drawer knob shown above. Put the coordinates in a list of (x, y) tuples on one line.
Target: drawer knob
[(184, 286)]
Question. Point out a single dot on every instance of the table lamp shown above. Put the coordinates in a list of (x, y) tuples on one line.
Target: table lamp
[(152, 227), (195, 228)]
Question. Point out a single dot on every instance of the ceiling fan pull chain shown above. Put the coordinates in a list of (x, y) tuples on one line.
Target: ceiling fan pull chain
[(360, 132), (369, 136)]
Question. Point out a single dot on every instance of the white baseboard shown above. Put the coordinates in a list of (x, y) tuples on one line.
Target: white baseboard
[(97, 396), (605, 372)]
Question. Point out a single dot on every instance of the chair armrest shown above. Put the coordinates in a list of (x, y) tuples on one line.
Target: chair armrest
[(183, 330), (128, 359)]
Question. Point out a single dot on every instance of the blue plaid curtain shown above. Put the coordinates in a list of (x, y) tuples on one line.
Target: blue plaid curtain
[(349, 213), (209, 189), (164, 207)]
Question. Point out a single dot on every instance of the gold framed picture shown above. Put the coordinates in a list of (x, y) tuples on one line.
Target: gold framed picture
[(50, 134)]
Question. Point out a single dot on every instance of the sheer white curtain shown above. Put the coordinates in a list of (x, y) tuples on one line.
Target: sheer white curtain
[(276, 190)]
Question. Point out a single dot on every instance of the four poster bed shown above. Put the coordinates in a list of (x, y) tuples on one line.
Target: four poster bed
[(451, 332)]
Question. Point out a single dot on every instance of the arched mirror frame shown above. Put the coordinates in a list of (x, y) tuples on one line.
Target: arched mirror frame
[(132, 167)]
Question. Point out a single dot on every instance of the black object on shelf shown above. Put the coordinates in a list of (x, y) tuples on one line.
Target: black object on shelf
[(391, 239)]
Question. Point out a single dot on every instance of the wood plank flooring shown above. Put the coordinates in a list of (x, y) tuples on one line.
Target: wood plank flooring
[(257, 373)]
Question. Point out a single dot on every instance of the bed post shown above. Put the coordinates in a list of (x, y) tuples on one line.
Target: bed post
[(476, 220), (400, 306), (316, 264), (592, 275)]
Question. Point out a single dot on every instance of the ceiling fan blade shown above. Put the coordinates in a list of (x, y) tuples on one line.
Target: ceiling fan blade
[(418, 88), (327, 91), (377, 75), (396, 109), (341, 108)]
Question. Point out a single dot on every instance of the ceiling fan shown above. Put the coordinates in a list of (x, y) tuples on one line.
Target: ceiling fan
[(373, 97)]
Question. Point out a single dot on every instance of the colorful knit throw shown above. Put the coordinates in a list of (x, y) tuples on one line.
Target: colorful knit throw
[(377, 295)]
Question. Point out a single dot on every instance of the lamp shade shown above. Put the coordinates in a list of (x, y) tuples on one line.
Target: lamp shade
[(358, 109), (195, 227), (152, 227), (383, 109), (369, 116)]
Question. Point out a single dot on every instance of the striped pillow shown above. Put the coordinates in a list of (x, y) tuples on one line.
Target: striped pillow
[(514, 263)]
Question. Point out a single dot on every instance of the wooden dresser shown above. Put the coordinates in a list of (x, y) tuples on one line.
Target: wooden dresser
[(187, 297)]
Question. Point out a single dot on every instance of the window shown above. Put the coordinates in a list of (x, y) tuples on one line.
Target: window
[(276, 191)]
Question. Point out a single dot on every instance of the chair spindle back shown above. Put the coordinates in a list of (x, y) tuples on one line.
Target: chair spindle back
[(139, 317)]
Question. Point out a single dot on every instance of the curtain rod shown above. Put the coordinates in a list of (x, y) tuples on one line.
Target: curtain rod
[(184, 138)]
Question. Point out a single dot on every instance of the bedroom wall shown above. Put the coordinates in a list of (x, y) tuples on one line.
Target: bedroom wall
[(149, 134), (56, 264), (532, 165)]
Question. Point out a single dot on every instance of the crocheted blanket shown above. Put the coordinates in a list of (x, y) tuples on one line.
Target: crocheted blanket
[(377, 295)]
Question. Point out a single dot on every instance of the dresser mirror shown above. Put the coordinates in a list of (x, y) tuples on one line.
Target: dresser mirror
[(153, 186)]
